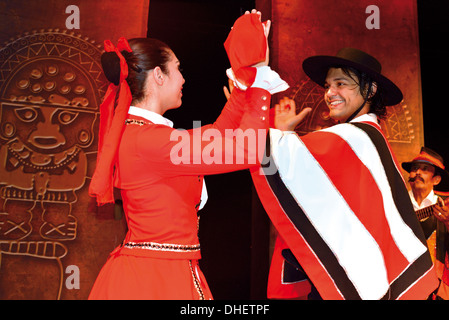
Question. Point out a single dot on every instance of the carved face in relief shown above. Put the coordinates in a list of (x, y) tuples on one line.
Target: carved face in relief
[(50, 89), (50, 86), (47, 119)]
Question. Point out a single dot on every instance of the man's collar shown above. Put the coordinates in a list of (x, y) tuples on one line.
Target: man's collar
[(370, 117), (427, 201)]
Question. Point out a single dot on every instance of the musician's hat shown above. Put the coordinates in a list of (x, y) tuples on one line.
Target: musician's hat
[(429, 156)]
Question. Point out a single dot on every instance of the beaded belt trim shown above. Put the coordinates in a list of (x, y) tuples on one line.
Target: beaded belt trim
[(162, 246), (196, 282), (135, 121)]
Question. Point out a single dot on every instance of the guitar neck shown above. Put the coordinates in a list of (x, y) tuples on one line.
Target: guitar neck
[(424, 212), (427, 211)]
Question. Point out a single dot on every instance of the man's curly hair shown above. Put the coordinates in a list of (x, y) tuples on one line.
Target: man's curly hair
[(364, 82)]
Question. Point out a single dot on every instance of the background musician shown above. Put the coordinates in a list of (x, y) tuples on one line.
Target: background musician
[(429, 183)]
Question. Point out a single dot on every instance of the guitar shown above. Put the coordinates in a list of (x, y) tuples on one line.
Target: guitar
[(432, 239), (427, 211)]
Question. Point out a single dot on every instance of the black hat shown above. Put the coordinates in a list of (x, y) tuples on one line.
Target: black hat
[(316, 68), (429, 156)]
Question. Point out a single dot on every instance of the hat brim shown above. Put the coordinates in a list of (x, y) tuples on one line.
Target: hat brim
[(316, 68), (444, 183)]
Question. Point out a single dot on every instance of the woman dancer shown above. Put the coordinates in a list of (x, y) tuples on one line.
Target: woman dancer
[(159, 170)]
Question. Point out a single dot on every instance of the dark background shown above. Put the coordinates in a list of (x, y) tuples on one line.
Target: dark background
[(434, 53), (234, 232)]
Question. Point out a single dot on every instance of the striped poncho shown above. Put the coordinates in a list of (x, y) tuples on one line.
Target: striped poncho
[(338, 200)]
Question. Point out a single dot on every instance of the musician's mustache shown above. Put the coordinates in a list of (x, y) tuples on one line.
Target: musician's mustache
[(413, 179)]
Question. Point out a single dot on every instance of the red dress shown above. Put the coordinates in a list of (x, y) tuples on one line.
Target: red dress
[(159, 256)]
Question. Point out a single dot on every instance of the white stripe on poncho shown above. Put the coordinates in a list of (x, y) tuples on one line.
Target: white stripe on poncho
[(338, 200)]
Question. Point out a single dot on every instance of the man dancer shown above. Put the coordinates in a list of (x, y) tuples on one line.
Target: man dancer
[(337, 198)]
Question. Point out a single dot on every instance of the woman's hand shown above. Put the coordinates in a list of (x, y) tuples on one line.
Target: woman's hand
[(285, 117), (227, 92)]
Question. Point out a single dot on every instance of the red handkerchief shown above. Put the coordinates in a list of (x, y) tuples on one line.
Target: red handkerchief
[(246, 45)]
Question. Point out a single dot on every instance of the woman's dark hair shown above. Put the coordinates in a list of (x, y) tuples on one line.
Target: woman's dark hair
[(147, 54), (366, 84)]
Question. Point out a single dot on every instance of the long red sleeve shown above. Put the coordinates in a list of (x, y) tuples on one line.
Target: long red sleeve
[(152, 151)]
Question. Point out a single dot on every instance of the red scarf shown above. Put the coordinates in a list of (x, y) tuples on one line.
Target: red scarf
[(111, 128)]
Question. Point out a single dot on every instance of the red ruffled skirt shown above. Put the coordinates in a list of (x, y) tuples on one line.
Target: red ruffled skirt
[(134, 277)]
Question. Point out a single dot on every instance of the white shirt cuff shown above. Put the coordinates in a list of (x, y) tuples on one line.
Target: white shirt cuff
[(265, 79)]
